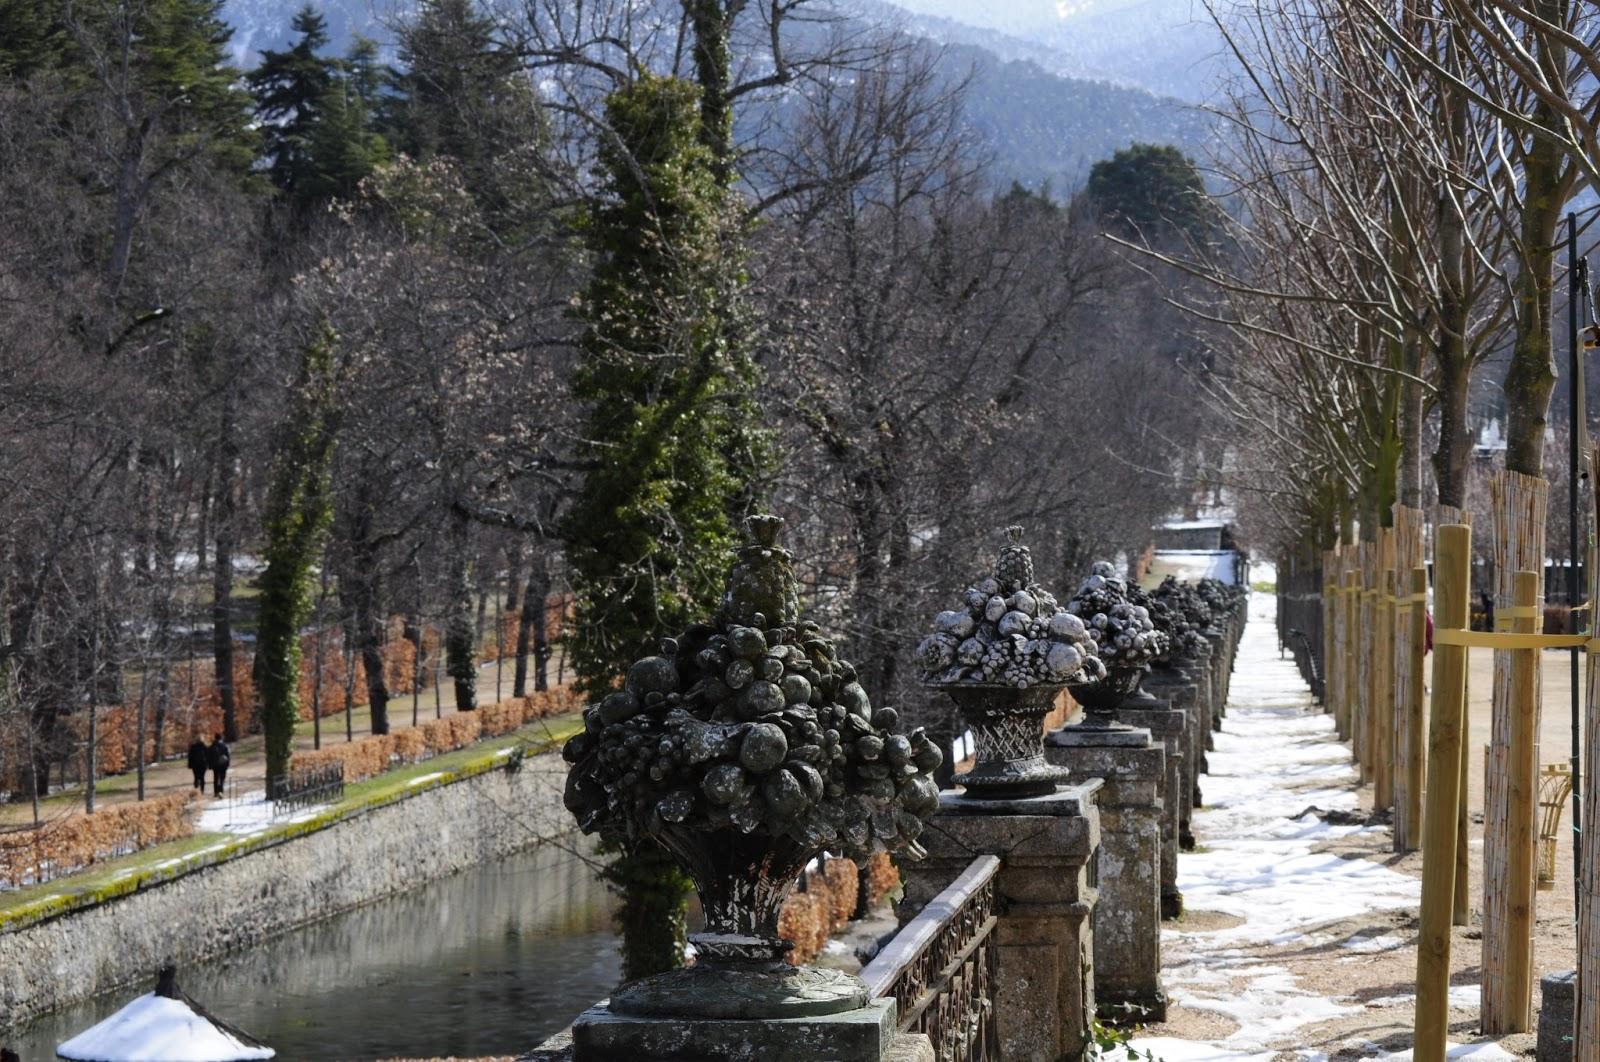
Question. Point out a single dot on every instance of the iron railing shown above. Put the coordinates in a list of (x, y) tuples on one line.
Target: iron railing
[(940, 968), (301, 789)]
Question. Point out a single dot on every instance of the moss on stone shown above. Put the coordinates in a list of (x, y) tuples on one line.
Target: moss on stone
[(155, 866)]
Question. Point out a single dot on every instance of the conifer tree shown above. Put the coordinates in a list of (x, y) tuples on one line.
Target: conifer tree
[(673, 444), (343, 148), (32, 38), (290, 87), (1150, 188), (461, 95)]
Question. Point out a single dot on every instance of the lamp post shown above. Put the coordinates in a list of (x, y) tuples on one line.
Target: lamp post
[(1578, 340)]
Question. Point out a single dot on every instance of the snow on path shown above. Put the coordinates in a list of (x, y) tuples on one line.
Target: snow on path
[(1276, 757), (247, 814)]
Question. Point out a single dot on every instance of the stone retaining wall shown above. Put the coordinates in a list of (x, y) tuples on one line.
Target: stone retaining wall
[(449, 824)]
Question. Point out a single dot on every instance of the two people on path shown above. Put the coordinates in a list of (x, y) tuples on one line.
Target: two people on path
[(214, 757)]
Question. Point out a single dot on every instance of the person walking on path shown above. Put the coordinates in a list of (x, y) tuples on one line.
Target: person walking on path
[(217, 757), (198, 761)]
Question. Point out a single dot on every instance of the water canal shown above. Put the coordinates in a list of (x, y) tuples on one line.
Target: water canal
[(488, 962)]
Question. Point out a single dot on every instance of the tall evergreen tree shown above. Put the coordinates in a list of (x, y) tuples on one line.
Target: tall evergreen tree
[(673, 441), (290, 87), (343, 148), (32, 38), (460, 95)]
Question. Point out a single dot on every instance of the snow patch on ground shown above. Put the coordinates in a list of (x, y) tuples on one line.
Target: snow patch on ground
[(248, 814), (1477, 1052), (1276, 758)]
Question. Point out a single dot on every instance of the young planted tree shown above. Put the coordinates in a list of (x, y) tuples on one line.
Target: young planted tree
[(299, 510)]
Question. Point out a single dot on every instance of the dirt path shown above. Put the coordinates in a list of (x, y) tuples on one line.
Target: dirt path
[(1300, 941)]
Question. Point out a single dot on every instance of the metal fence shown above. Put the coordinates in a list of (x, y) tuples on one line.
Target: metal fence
[(940, 968), (301, 789)]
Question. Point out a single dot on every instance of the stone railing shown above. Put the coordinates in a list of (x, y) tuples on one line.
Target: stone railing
[(940, 968)]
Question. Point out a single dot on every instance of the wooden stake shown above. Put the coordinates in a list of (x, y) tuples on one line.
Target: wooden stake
[(1406, 736), (1366, 710), (1452, 566), (1586, 1020), (1414, 758)]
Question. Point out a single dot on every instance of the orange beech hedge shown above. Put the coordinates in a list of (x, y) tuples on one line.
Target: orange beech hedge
[(40, 853), (809, 918), (372, 756), (196, 705)]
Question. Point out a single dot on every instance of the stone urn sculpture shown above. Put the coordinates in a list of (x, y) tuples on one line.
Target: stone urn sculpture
[(1103, 697), (745, 749), (1127, 639), (1002, 657)]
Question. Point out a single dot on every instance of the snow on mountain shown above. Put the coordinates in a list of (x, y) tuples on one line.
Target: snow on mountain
[(1168, 47)]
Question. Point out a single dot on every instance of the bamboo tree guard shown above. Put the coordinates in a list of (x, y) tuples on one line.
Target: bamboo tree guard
[(1511, 786), (1443, 515), (1381, 740), (1352, 646), (1365, 631), (1409, 648), (1330, 611), (1452, 582)]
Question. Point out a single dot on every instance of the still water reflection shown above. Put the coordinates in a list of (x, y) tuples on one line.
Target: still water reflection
[(488, 962)]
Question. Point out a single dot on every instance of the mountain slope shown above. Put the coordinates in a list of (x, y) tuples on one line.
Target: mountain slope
[(1168, 47), (1042, 127)]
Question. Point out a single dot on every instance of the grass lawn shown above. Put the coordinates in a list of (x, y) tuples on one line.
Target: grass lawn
[(127, 874)]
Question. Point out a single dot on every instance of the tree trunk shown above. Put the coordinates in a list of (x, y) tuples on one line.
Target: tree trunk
[(1531, 377), (461, 655), (1411, 426), (541, 634), (369, 623), (713, 72), (225, 512), (1450, 459), (531, 626), (651, 917)]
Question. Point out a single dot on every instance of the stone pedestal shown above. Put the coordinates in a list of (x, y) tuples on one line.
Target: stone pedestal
[(1044, 989), (1220, 669), (1179, 689), (1127, 919), (906, 1047), (1557, 993), (864, 1035), (1168, 725)]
